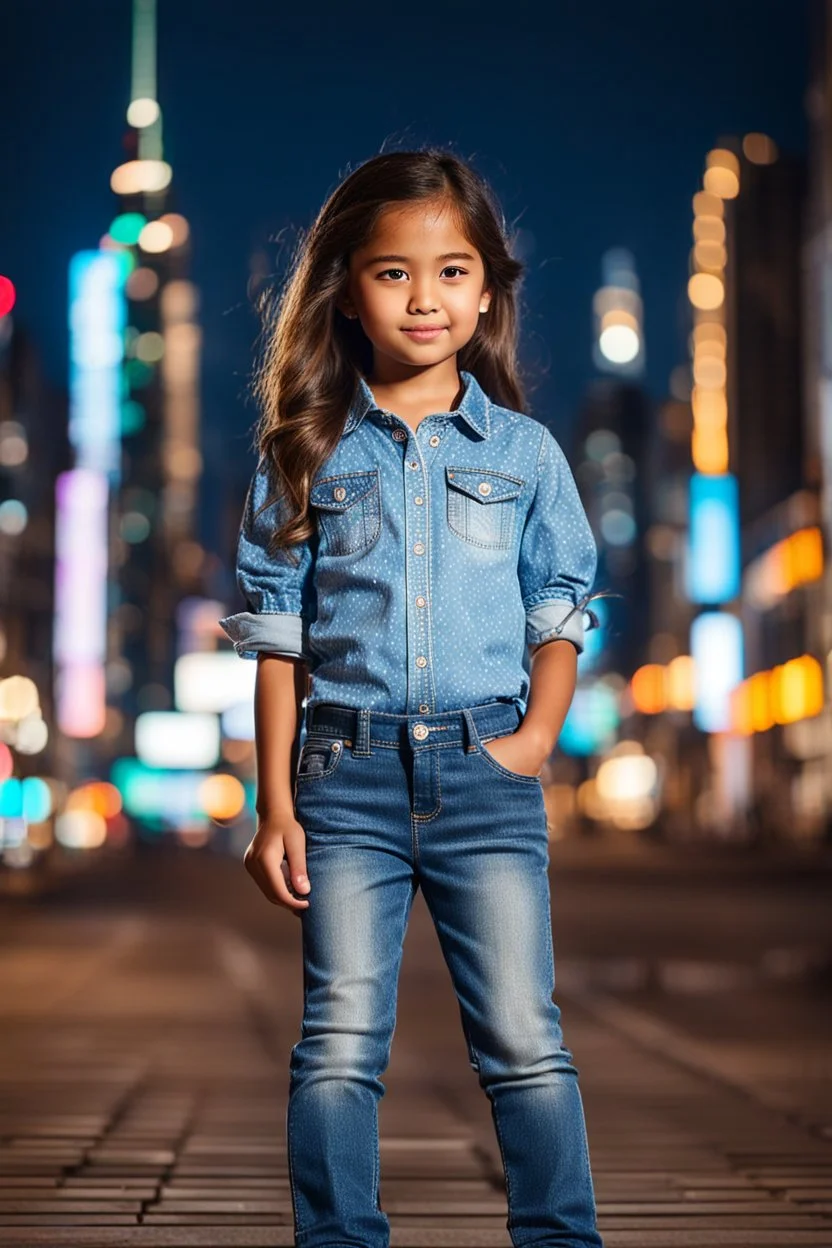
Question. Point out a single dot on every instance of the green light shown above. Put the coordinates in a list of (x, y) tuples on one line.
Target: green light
[(140, 374), (132, 418), (127, 228)]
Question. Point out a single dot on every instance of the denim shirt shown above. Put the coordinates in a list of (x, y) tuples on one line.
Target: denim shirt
[(440, 556)]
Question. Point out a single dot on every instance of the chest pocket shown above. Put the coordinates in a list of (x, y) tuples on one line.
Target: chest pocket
[(482, 505), (348, 507)]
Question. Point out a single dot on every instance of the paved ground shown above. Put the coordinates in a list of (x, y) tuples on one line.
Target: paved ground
[(143, 1060)]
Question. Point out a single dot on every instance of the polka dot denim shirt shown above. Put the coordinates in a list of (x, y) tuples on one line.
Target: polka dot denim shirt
[(440, 555)]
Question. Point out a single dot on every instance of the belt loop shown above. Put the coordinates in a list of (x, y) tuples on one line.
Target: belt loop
[(472, 736), (361, 744)]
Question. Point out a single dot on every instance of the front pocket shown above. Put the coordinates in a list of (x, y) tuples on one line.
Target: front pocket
[(348, 507), (482, 505), (518, 776), (319, 757)]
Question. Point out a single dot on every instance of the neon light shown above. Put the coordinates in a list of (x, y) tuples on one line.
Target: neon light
[(713, 565), (97, 320), (717, 648)]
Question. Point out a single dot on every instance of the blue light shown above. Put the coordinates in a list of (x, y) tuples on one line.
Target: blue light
[(713, 564), (97, 319), (592, 720), (717, 650)]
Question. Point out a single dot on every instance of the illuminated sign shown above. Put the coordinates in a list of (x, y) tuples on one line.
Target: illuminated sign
[(717, 649), (713, 563)]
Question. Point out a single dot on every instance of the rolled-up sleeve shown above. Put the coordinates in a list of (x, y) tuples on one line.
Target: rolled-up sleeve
[(277, 590), (558, 555)]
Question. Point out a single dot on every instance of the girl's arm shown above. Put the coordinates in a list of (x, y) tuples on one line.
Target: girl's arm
[(278, 693), (553, 675)]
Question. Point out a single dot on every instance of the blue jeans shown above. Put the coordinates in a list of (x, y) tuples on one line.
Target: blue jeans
[(389, 803)]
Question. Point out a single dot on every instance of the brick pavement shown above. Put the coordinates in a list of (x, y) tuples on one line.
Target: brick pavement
[(143, 1089)]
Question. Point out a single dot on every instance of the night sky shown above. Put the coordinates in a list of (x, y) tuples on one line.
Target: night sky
[(591, 120)]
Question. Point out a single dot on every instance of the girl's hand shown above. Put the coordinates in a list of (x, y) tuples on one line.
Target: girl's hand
[(519, 751), (265, 863)]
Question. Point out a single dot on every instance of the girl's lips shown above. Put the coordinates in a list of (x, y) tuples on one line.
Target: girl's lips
[(424, 334)]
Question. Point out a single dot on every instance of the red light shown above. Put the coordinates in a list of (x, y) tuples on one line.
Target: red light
[(7, 295)]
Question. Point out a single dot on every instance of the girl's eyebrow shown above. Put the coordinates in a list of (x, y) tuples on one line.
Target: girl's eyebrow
[(448, 255)]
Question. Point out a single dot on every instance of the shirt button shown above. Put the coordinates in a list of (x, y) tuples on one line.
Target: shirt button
[(423, 708), (421, 661), (419, 548), (420, 731), (420, 601), (340, 493), (434, 439), (399, 435), (418, 500), (413, 463), (484, 487)]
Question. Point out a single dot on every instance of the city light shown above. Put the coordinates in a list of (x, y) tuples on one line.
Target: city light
[(7, 295), (137, 176), (143, 112), (127, 227), (173, 739), (713, 563), (716, 645), (79, 629)]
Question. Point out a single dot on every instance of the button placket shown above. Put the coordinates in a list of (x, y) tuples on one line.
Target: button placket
[(420, 692)]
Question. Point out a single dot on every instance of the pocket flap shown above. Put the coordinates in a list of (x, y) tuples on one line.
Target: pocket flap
[(337, 493), (484, 484)]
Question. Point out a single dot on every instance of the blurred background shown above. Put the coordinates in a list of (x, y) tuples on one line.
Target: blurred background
[(669, 182), (666, 171)]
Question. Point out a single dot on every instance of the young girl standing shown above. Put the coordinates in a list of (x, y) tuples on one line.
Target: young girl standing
[(415, 560)]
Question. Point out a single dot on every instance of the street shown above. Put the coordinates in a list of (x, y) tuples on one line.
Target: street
[(150, 1008)]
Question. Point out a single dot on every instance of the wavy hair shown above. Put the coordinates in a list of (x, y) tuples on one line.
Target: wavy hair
[(311, 354)]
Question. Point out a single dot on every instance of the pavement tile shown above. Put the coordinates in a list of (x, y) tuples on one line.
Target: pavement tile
[(182, 1070)]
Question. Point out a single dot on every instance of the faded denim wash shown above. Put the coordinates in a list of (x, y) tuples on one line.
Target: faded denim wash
[(440, 553), (389, 804)]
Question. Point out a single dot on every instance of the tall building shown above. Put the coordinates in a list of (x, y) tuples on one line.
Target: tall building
[(127, 505)]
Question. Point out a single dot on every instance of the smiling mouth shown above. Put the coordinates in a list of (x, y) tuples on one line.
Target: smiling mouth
[(424, 329)]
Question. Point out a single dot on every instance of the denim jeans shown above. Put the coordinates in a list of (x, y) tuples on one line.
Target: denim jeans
[(389, 803)]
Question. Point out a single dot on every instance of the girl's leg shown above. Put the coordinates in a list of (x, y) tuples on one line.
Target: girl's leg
[(483, 869), (353, 932)]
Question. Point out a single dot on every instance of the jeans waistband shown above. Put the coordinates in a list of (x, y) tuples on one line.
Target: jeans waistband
[(361, 728)]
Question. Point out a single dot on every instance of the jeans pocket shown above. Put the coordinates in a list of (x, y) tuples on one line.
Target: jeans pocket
[(319, 757), (518, 776), (482, 505), (348, 509)]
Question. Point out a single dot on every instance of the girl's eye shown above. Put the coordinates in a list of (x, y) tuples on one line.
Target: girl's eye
[(455, 267)]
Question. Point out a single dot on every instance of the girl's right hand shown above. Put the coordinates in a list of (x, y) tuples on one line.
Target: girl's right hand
[(265, 863)]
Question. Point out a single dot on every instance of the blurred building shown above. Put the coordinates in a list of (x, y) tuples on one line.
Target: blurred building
[(812, 743), (127, 504)]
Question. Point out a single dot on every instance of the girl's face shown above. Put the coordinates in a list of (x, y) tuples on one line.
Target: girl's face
[(416, 271)]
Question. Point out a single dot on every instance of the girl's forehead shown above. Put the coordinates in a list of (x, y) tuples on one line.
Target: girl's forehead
[(419, 225)]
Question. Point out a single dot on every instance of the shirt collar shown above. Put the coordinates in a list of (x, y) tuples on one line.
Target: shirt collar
[(474, 405)]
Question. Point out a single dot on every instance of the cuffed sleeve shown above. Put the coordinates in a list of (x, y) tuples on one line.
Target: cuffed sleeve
[(558, 555), (277, 591)]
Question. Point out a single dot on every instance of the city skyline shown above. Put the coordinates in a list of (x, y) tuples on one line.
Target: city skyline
[(616, 163)]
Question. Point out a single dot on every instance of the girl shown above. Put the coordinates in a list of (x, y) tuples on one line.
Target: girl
[(415, 543)]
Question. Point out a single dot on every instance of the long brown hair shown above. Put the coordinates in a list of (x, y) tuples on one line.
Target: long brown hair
[(311, 354)]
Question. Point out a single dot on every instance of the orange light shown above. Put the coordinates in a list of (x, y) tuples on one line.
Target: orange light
[(762, 716), (649, 688), (797, 689), (681, 683), (222, 796), (709, 449), (805, 561)]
